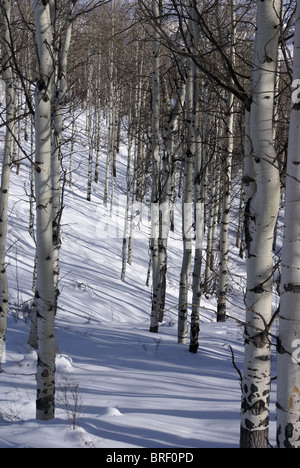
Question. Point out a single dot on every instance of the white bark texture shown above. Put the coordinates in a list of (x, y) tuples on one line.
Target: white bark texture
[(61, 87), (155, 200), (288, 397), (227, 181), (262, 188), (199, 185), (7, 156), (166, 191), (198, 192), (128, 179), (187, 220), (45, 291)]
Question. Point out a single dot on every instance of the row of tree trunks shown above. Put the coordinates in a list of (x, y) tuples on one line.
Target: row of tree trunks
[(261, 184)]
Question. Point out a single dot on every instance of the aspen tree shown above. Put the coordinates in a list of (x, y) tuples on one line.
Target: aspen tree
[(262, 195), (224, 247), (199, 195), (98, 119), (89, 125), (155, 198), (187, 224), (198, 190), (288, 388), (61, 87), (137, 128), (6, 162), (128, 179), (45, 290), (110, 162), (212, 209), (167, 188)]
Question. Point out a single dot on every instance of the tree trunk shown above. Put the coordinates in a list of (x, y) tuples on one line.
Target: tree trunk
[(128, 180), (224, 246), (198, 194), (187, 211), (89, 122), (167, 190), (199, 186), (155, 198), (262, 189), (57, 115), (45, 291), (7, 157), (288, 388)]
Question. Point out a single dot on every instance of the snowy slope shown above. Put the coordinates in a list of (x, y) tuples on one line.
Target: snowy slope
[(131, 388)]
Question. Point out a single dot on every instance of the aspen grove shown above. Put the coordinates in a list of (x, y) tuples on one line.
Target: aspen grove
[(149, 229)]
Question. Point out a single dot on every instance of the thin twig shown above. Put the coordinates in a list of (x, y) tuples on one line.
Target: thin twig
[(234, 364)]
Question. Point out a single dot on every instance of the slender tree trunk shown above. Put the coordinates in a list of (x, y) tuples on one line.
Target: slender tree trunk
[(167, 190), (133, 209), (224, 245), (72, 149), (45, 291), (98, 122), (57, 116), (7, 158), (89, 121), (262, 188), (200, 160), (128, 179), (212, 221), (136, 128), (240, 220), (288, 388), (199, 235), (155, 199), (187, 211), (198, 195)]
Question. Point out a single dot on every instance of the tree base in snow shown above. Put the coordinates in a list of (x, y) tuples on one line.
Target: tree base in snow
[(221, 313), (194, 348), (254, 439)]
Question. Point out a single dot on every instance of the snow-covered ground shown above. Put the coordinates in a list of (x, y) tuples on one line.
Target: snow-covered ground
[(118, 386)]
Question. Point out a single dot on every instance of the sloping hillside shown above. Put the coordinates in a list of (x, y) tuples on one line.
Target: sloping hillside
[(118, 385)]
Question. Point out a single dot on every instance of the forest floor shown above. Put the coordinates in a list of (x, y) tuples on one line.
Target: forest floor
[(118, 386)]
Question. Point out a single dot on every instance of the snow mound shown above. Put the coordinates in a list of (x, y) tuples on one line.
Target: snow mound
[(64, 364), (29, 362), (112, 413)]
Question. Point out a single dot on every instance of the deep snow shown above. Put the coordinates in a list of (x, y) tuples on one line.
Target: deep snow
[(133, 388)]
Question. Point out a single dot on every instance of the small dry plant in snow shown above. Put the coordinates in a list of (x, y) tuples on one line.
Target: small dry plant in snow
[(69, 399)]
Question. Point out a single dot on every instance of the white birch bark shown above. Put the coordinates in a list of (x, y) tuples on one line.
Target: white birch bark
[(155, 198), (288, 388), (187, 211), (167, 189), (57, 110), (7, 158), (224, 245), (128, 179), (98, 121), (262, 187), (89, 124), (45, 291), (198, 193), (133, 207), (136, 128), (212, 221)]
